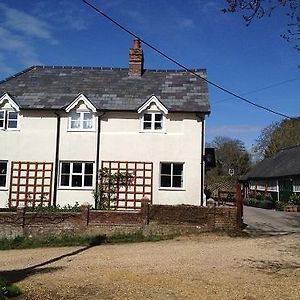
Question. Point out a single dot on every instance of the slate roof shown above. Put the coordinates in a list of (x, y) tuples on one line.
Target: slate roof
[(43, 87), (285, 163)]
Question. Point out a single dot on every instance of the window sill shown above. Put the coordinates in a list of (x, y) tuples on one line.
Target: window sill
[(153, 131), (81, 130), (171, 189), (71, 188), (3, 188)]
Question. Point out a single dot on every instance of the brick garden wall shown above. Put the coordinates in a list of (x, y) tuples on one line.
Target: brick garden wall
[(150, 218)]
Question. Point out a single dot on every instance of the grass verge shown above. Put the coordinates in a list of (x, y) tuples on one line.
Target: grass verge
[(64, 241)]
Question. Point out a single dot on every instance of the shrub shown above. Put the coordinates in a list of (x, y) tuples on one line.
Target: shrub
[(294, 199), (8, 290), (267, 204)]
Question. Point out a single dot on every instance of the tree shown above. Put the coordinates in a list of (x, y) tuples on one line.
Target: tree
[(230, 154), (277, 136), (262, 8)]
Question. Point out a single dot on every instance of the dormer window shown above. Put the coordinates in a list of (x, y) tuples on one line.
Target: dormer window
[(153, 115), (9, 113), (81, 114), (153, 121)]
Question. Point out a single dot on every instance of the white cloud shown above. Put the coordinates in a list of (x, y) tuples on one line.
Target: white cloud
[(18, 21), (186, 23), (18, 33)]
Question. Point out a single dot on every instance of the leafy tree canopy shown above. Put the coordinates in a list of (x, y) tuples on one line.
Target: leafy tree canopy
[(260, 8), (277, 136), (230, 154)]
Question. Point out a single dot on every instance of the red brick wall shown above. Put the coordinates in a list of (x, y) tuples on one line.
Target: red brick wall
[(93, 222)]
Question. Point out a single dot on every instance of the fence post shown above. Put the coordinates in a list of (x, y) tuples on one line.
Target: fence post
[(239, 206)]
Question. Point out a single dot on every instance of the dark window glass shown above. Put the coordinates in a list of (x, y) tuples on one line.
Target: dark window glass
[(65, 168), (165, 181), (88, 168), (3, 172), (88, 180), (177, 169), (158, 117), (12, 119), (157, 125), (65, 180), (177, 182), (147, 117), (76, 180), (77, 167), (166, 168), (2, 114)]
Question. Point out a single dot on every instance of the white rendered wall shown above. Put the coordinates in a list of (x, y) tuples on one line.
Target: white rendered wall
[(33, 141), (122, 139)]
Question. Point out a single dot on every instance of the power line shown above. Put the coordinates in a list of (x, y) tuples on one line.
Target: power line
[(260, 89), (181, 65)]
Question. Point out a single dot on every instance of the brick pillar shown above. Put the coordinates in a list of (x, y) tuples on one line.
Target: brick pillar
[(145, 207), (239, 206), (21, 216), (85, 213)]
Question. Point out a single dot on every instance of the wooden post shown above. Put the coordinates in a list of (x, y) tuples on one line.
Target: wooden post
[(239, 206)]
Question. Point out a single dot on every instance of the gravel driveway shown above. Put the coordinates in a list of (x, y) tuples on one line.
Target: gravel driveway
[(208, 266)]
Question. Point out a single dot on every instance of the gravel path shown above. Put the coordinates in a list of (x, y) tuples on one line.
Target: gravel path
[(196, 267)]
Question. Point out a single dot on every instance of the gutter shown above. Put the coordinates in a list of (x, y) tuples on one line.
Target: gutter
[(97, 160), (56, 158)]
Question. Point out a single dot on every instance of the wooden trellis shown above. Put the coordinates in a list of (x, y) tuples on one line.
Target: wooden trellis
[(30, 183), (130, 197)]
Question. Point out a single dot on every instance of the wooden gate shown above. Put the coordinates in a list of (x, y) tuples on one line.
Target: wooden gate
[(142, 172), (30, 183)]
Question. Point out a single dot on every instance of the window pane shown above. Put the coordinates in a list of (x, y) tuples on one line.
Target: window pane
[(12, 124), (75, 120), (147, 125), (2, 180), (157, 125), (3, 168), (165, 181), (65, 168), (88, 168), (88, 180), (77, 180), (12, 115), (2, 114), (177, 169), (166, 168), (147, 117), (87, 120), (77, 168), (65, 180), (158, 117), (177, 181)]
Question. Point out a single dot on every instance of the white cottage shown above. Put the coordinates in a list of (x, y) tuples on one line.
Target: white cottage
[(59, 125)]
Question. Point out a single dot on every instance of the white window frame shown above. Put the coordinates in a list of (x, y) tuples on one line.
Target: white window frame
[(81, 120), (72, 173), (6, 118), (171, 175), (4, 187), (152, 129)]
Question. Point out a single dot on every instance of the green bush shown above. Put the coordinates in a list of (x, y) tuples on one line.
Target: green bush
[(267, 204), (294, 199), (8, 290)]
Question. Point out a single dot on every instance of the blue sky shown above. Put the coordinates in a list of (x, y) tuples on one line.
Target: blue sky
[(194, 32)]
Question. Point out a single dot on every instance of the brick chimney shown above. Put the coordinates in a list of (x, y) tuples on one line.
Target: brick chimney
[(136, 59)]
